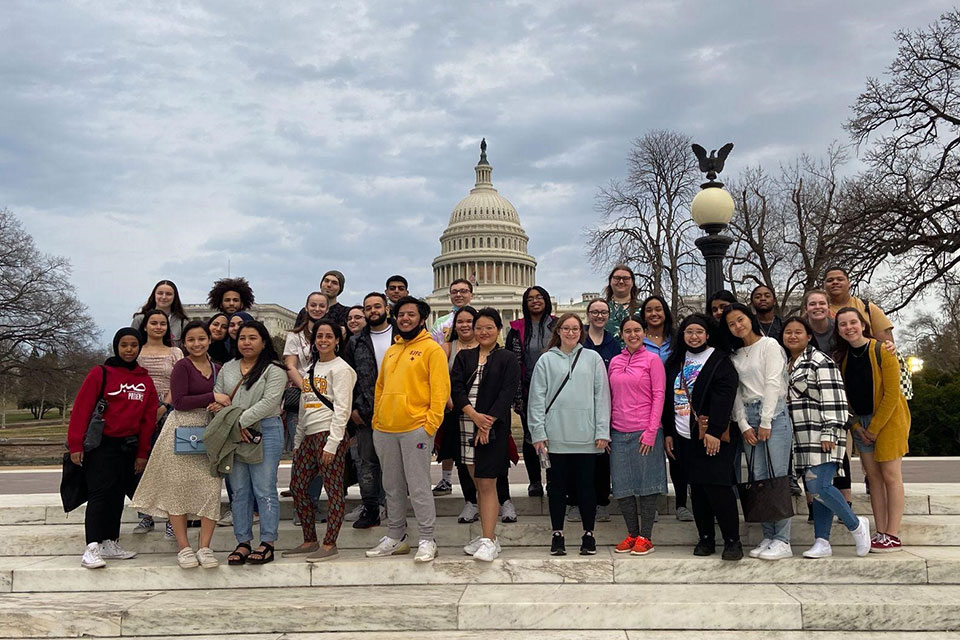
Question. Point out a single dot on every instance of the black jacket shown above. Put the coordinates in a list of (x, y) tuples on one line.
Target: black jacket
[(360, 355), (714, 400), (498, 388)]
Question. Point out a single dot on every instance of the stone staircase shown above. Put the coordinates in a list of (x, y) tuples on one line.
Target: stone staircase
[(527, 593)]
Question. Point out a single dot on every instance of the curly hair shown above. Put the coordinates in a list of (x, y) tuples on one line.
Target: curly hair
[(221, 286)]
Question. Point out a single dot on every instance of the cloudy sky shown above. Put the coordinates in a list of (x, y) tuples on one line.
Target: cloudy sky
[(154, 140)]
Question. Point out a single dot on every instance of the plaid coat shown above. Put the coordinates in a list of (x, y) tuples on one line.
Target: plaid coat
[(818, 409)]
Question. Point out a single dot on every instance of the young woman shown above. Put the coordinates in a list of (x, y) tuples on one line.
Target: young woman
[(355, 320), (298, 356), (761, 413), (637, 383), (175, 486), (880, 421), (447, 443), (818, 411), (657, 324), (236, 320), (165, 297), (621, 293), (108, 468), (569, 416), (321, 444), (484, 382), (219, 350), (158, 357), (256, 380), (702, 383)]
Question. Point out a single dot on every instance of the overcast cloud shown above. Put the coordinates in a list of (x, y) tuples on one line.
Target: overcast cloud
[(155, 140)]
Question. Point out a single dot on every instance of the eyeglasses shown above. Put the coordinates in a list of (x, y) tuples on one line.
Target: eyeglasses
[(535, 299), (569, 329), (621, 278), (459, 292), (599, 314)]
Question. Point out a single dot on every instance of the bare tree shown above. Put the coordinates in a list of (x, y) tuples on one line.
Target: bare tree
[(935, 334), (39, 311), (905, 213), (645, 217)]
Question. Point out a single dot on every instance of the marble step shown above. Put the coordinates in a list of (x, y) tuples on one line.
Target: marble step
[(528, 531), (668, 565), (484, 607), (46, 508), (592, 634)]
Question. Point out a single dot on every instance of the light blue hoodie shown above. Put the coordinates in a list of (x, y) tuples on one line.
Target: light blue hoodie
[(581, 413)]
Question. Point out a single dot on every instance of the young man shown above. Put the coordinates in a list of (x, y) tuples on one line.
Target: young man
[(331, 284), (230, 295), (837, 284), (461, 294), (413, 387), (364, 352), (764, 302), (396, 288), (526, 339)]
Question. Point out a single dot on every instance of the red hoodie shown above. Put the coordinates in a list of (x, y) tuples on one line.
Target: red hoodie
[(131, 407)]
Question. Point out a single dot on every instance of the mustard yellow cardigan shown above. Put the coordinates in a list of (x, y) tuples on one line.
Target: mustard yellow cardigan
[(891, 416)]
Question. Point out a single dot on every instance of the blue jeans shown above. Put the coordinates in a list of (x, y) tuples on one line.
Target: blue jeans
[(862, 445), (259, 481), (827, 500), (780, 446)]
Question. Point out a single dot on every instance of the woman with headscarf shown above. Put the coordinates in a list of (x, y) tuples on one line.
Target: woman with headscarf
[(110, 462), (219, 350)]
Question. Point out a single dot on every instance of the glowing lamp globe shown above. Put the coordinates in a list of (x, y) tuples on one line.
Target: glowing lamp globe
[(712, 208)]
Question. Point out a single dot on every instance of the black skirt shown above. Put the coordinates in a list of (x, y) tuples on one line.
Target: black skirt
[(719, 469)]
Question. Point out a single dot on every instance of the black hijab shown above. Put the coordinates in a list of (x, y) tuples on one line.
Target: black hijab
[(115, 360), (219, 350)]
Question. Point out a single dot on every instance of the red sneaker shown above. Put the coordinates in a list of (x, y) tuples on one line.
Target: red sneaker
[(642, 547), (888, 544), (627, 545)]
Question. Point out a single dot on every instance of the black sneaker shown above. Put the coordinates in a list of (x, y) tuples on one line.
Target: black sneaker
[(557, 546), (535, 490), (705, 548), (368, 519), (588, 545), (732, 551)]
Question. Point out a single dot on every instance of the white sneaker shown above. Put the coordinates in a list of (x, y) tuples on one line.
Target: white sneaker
[(226, 520), (777, 550), (821, 549), (508, 512), (187, 559), (488, 550), (474, 545), (389, 547), (861, 537), (206, 558), (112, 550), (91, 557), (760, 548), (426, 552), (354, 515), (468, 514)]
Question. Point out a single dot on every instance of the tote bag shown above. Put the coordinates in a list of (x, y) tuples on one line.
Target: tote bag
[(765, 500)]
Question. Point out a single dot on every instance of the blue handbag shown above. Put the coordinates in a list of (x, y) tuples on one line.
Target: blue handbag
[(189, 440)]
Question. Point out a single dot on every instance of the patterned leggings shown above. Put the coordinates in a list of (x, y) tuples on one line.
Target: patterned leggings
[(306, 467)]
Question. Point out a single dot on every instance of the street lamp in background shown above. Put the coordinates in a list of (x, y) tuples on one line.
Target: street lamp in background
[(914, 364), (712, 210)]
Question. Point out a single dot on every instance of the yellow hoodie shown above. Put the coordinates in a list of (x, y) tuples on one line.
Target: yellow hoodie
[(412, 387)]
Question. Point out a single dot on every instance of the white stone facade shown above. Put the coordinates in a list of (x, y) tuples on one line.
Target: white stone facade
[(276, 318)]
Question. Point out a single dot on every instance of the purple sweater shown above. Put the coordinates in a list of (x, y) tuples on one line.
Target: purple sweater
[(188, 388), (637, 387)]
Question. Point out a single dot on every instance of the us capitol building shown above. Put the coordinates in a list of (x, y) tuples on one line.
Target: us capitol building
[(485, 244)]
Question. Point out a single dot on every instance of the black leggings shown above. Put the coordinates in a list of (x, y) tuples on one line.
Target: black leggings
[(470, 489), (678, 472), (715, 502), (530, 458), (572, 474), (108, 472), (601, 482)]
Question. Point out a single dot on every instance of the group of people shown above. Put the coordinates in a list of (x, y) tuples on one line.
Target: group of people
[(606, 408)]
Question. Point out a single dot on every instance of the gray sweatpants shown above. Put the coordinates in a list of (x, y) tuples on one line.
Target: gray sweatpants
[(405, 466)]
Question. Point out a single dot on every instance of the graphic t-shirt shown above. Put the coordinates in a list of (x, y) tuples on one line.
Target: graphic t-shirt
[(692, 364)]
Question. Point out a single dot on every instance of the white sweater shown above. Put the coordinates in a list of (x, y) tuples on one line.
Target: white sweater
[(335, 380), (762, 371)]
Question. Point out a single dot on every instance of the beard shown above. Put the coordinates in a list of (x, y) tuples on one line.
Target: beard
[(410, 335), (376, 319)]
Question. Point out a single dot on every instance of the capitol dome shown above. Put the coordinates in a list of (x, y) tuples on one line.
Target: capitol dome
[(484, 243)]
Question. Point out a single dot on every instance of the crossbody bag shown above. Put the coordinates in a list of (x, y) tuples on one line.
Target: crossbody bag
[(94, 435), (576, 359), (702, 421), (189, 440)]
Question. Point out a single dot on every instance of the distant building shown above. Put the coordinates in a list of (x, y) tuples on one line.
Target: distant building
[(276, 318)]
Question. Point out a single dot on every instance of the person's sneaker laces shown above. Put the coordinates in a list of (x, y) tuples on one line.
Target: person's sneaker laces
[(508, 513), (861, 536), (642, 547), (187, 559), (488, 550), (389, 547), (468, 514), (111, 550), (684, 514), (168, 532), (144, 526), (91, 557), (557, 546), (778, 550), (626, 545), (426, 551), (588, 545), (821, 549), (443, 488), (573, 514), (354, 515), (887, 544), (603, 514), (760, 548)]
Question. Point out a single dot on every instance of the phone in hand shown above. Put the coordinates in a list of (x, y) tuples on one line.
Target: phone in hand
[(255, 436)]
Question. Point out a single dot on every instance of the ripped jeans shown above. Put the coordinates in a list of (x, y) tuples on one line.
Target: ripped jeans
[(827, 500)]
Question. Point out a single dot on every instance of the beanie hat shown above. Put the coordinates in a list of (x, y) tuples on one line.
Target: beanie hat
[(338, 275)]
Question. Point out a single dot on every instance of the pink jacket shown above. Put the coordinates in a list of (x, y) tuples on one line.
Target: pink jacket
[(637, 387)]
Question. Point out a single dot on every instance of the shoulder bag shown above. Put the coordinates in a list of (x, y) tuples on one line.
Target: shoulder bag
[(94, 434), (701, 420), (189, 440), (576, 358), (765, 500)]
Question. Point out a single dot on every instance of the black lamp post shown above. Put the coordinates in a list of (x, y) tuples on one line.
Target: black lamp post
[(712, 210)]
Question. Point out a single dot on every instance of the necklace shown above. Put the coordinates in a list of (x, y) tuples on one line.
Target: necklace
[(862, 353)]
